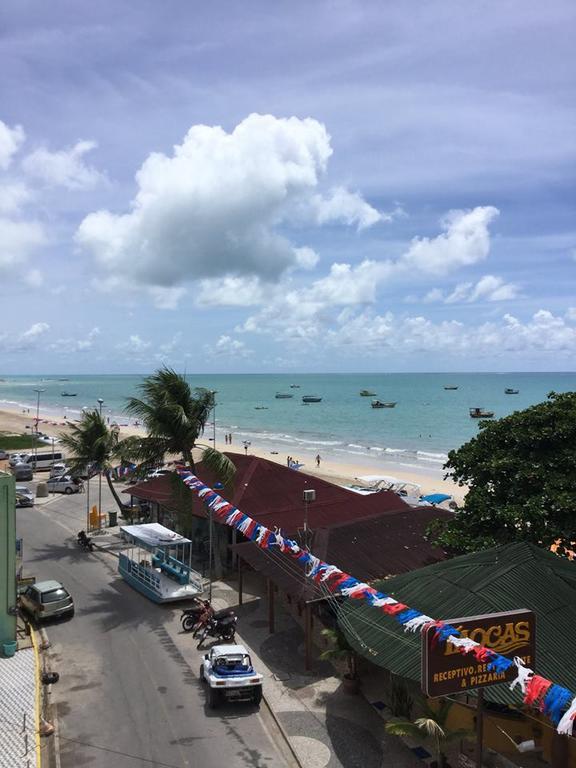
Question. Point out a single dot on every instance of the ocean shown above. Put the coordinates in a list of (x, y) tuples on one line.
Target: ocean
[(426, 423)]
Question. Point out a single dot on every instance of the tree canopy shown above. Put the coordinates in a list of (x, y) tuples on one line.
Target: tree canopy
[(175, 417), (521, 475)]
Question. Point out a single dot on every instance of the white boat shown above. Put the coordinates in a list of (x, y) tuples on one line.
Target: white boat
[(283, 395), (381, 404), (311, 399), (157, 563)]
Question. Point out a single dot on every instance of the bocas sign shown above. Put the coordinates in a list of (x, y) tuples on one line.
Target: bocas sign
[(446, 670)]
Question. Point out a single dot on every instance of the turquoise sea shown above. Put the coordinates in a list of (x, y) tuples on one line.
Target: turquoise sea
[(426, 423)]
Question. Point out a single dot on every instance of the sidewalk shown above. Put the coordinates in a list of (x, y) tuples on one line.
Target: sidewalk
[(19, 710)]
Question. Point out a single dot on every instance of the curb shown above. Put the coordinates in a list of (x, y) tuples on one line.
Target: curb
[(282, 730)]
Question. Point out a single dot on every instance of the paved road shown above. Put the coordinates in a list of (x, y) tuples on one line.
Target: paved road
[(127, 697)]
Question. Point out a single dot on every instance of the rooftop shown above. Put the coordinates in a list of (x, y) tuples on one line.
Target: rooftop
[(503, 578)]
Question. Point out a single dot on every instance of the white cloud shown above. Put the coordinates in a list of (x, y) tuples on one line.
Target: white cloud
[(133, 345), (346, 207), (435, 294), (231, 291), (34, 278), (64, 168), (12, 196), (17, 240), (466, 241), (226, 346), (488, 288), (11, 139), (214, 207), (35, 330)]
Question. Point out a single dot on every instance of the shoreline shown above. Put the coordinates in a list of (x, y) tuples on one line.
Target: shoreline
[(332, 467)]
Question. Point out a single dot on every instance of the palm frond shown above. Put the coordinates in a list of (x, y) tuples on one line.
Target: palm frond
[(430, 728), (219, 464), (403, 728)]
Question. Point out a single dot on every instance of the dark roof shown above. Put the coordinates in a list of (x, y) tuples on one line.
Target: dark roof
[(367, 549), (499, 579), (272, 494)]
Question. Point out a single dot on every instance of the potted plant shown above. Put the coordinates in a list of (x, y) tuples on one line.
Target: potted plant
[(432, 727), (340, 649)]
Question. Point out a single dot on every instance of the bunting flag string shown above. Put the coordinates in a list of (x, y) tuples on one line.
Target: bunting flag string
[(554, 701)]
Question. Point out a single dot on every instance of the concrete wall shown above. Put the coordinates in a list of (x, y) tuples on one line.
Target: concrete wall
[(7, 557)]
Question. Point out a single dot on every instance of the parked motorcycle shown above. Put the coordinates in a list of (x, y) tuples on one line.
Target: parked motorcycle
[(220, 625), (85, 542), (191, 616)]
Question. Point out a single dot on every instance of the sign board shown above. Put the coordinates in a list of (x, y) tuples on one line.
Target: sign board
[(446, 670)]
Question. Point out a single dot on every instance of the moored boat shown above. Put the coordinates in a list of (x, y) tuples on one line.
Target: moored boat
[(283, 395), (311, 399), (367, 393), (451, 386), (481, 413), (69, 394), (380, 404), (294, 386), (510, 391)]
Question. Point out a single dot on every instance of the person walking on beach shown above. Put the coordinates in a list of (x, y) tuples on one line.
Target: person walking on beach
[(318, 457)]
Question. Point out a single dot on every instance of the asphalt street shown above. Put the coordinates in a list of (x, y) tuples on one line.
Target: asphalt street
[(127, 697)]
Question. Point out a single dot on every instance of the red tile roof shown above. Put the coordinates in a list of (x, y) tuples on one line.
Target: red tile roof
[(272, 494)]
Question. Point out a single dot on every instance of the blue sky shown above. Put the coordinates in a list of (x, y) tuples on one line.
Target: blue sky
[(327, 186)]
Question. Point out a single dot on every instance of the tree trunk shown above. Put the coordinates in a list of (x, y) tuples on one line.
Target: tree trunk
[(113, 491)]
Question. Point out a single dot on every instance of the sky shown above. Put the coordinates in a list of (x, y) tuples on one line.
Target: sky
[(327, 186)]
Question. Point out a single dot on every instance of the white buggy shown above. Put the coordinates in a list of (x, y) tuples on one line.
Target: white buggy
[(229, 675)]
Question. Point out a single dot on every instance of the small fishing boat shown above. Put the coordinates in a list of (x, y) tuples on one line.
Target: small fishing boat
[(283, 395), (510, 391), (69, 394), (450, 386), (260, 407), (294, 386), (380, 404), (311, 399), (367, 393), (481, 413)]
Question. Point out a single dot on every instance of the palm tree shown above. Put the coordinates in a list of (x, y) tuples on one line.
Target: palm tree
[(94, 447), (432, 726), (174, 418)]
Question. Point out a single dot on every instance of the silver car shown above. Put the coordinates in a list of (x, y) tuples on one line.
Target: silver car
[(64, 484), (24, 496), (46, 600)]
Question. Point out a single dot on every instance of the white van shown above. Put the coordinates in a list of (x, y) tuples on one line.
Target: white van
[(42, 460)]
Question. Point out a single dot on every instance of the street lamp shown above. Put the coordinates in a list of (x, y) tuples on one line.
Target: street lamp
[(100, 404), (38, 391)]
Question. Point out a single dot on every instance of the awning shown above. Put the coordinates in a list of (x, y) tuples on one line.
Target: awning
[(435, 498), (153, 535)]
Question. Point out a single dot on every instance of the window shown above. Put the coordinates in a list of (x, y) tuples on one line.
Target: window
[(54, 595)]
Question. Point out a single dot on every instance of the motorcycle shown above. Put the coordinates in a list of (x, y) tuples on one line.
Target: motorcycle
[(191, 616), (85, 542), (220, 625)]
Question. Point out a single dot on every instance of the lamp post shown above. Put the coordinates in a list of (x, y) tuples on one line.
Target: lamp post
[(100, 404), (38, 392)]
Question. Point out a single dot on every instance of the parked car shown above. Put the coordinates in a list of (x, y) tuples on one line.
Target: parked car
[(64, 484), (59, 469), (46, 600), (17, 458), (157, 473), (229, 675), (4, 455), (22, 472), (24, 496)]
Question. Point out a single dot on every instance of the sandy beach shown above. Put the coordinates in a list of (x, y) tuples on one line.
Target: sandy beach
[(334, 471)]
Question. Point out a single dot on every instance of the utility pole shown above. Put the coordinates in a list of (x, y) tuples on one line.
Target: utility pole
[(214, 417), (38, 391), (100, 403)]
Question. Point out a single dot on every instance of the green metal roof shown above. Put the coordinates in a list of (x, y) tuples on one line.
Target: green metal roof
[(500, 579)]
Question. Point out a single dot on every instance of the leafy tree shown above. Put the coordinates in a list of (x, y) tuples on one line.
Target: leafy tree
[(174, 418), (432, 726), (94, 448), (520, 472)]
